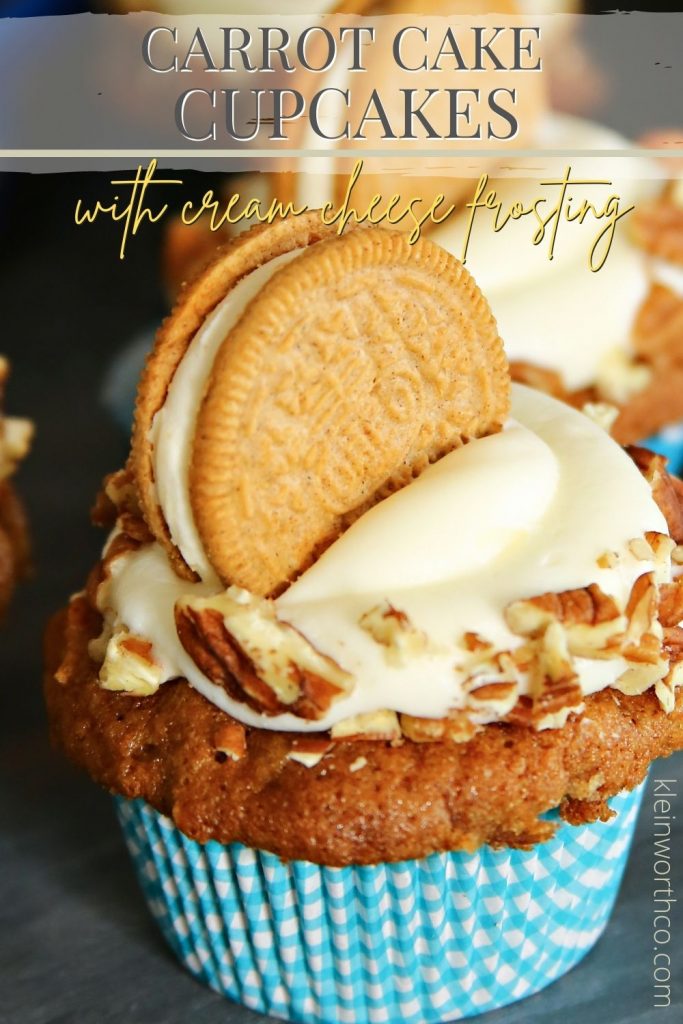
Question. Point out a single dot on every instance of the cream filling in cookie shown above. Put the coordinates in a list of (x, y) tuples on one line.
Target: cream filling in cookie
[(170, 436), (549, 504)]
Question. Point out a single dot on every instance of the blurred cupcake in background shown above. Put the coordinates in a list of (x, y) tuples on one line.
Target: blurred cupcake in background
[(15, 440)]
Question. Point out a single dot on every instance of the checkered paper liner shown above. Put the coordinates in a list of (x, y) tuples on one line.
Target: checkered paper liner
[(437, 939), (669, 442)]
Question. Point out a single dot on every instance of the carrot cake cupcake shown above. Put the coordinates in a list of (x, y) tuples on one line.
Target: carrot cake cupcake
[(380, 647)]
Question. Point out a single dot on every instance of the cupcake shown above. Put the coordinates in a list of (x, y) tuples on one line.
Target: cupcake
[(15, 439), (380, 647)]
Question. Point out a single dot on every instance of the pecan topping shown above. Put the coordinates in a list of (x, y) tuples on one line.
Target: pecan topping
[(374, 725), (230, 738), (639, 678), (117, 495), (474, 642), (392, 628), (666, 489), (641, 609), (309, 750), (671, 603), (130, 666), (239, 643), (586, 606), (592, 621), (457, 727), (673, 643), (556, 685), (621, 376), (497, 698), (603, 414)]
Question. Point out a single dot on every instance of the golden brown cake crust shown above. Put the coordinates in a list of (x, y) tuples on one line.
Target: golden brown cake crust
[(406, 801)]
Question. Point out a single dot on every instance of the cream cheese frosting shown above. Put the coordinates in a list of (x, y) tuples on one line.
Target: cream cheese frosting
[(517, 514)]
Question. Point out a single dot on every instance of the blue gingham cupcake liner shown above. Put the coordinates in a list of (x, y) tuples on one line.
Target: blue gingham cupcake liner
[(437, 939), (669, 442)]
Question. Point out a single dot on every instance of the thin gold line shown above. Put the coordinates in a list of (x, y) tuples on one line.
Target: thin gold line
[(304, 154)]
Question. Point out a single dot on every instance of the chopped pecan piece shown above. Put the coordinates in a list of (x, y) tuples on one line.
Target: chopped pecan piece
[(117, 495), (640, 549), (673, 643), (496, 698), (671, 603), (556, 685), (620, 377), (134, 527), (585, 606), (677, 555), (639, 678), (663, 547), (456, 727), (665, 689), (392, 628), (474, 642), (647, 650), (230, 738), (130, 666), (603, 414), (309, 750), (666, 489), (591, 619), (373, 725), (239, 643), (641, 609)]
